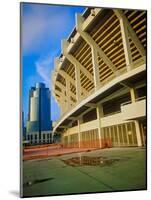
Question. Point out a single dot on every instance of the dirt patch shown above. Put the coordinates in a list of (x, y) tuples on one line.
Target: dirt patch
[(91, 161)]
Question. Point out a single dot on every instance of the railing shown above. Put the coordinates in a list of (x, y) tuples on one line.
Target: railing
[(140, 98), (112, 113), (125, 103), (136, 100)]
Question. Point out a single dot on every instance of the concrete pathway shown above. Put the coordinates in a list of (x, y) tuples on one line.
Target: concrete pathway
[(53, 176)]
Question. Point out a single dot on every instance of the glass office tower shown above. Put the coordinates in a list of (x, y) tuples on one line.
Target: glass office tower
[(39, 109)]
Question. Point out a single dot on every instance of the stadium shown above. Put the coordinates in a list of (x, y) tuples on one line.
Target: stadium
[(99, 80)]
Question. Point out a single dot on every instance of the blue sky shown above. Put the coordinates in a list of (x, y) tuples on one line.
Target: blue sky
[(43, 28)]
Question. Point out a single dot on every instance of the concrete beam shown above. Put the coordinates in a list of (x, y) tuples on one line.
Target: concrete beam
[(125, 84), (99, 112), (63, 88), (64, 74), (91, 42), (68, 94), (78, 83), (119, 13), (95, 68), (126, 43), (114, 95), (63, 127), (72, 118), (89, 20), (91, 105), (74, 61), (62, 101)]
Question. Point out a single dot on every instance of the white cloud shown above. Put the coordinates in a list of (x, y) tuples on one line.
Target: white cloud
[(44, 67)]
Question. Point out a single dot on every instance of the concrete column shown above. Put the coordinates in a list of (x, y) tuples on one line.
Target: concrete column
[(132, 93), (118, 135), (119, 13), (63, 106), (68, 94), (125, 39), (138, 133), (143, 137), (99, 111), (63, 103), (80, 121), (126, 45), (127, 135), (78, 83), (95, 68)]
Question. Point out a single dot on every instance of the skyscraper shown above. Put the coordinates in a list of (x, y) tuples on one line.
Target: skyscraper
[(39, 114)]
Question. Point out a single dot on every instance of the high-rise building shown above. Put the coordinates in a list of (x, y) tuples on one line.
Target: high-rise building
[(39, 124)]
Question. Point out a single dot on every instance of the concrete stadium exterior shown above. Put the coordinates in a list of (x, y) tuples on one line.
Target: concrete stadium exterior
[(99, 80)]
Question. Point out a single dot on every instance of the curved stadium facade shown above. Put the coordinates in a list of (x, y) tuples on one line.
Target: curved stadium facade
[(99, 80)]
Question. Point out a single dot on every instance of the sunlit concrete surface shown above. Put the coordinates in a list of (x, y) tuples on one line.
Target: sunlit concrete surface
[(53, 175)]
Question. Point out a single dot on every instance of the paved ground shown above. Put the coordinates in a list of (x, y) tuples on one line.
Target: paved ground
[(54, 176)]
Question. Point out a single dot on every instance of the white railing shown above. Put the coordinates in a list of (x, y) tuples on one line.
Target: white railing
[(112, 113), (136, 100), (140, 98)]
